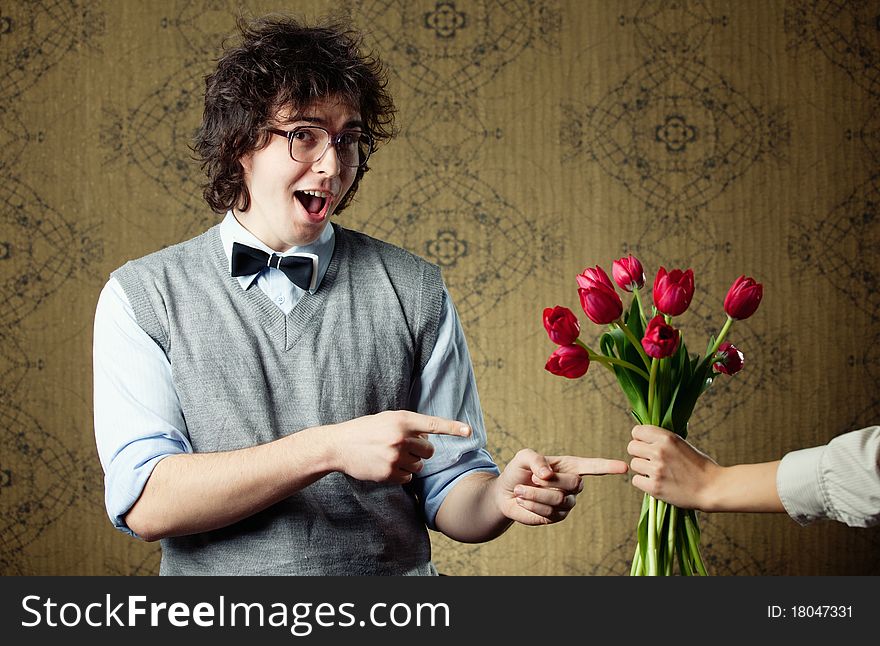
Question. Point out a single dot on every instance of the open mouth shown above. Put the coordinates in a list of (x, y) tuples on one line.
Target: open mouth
[(315, 203)]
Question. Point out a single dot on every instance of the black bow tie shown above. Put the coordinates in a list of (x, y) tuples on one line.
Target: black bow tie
[(247, 260)]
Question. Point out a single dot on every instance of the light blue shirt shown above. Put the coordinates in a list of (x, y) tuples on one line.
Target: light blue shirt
[(139, 421)]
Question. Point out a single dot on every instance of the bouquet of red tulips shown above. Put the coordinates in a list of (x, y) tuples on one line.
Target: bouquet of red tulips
[(659, 377)]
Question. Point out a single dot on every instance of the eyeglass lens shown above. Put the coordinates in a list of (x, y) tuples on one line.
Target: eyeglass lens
[(308, 143)]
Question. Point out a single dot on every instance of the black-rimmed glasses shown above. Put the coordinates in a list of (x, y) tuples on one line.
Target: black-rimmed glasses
[(308, 144)]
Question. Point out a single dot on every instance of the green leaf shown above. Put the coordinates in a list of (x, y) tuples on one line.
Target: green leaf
[(681, 362), (631, 354), (607, 342), (662, 521), (687, 397), (681, 547), (634, 320), (673, 372), (667, 421), (643, 530), (692, 524), (625, 349), (661, 516), (709, 380), (662, 382), (633, 393), (633, 385)]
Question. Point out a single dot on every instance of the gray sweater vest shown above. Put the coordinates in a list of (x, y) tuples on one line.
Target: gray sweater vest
[(246, 374)]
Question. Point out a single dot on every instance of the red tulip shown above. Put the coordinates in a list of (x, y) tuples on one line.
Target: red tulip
[(592, 276), (628, 273), (570, 361), (601, 303), (673, 291), (729, 359), (661, 339), (743, 298), (561, 324)]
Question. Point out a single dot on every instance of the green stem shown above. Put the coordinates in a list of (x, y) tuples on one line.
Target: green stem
[(662, 509), (637, 344), (652, 537), (601, 358), (684, 554), (723, 333), (586, 347), (607, 361), (694, 543), (653, 408), (641, 311), (661, 397), (670, 538), (636, 568)]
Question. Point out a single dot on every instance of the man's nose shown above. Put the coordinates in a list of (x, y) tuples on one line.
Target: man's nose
[(329, 163)]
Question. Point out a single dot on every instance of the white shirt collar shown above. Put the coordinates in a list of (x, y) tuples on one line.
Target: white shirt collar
[(232, 231)]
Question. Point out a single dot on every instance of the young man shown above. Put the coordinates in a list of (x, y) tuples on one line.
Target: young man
[(275, 395)]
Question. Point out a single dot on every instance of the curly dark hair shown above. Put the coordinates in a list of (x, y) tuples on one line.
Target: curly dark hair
[(282, 63)]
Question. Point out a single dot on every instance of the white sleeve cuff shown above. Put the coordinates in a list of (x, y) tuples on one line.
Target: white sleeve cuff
[(839, 481), (798, 484)]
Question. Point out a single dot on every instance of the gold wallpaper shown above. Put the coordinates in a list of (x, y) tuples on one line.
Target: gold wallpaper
[(537, 137)]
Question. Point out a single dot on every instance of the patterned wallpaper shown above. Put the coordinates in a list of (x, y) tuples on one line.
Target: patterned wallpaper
[(537, 137)]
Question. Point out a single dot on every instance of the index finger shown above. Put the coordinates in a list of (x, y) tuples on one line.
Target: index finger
[(648, 433), (418, 423), (587, 466)]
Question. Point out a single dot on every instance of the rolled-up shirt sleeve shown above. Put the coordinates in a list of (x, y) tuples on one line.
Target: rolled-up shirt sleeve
[(447, 388), (838, 481), (137, 414)]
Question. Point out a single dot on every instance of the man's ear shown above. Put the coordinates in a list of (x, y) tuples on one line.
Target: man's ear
[(246, 162)]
